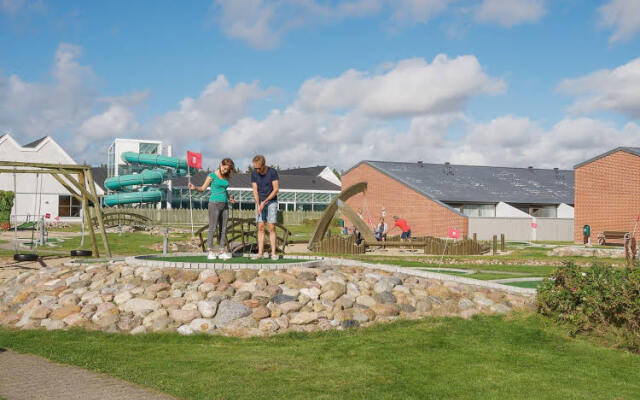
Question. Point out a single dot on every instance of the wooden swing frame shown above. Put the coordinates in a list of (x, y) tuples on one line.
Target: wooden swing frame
[(78, 181)]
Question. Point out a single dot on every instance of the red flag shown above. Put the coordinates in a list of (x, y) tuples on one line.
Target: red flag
[(194, 160), (453, 233)]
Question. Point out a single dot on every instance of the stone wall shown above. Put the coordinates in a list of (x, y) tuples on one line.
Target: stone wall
[(118, 297)]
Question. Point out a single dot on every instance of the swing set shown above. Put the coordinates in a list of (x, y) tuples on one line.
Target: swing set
[(78, 181)]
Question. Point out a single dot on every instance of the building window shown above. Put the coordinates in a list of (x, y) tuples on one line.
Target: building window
[(544, 212), (148, 148), (69, 206), (479, 210)]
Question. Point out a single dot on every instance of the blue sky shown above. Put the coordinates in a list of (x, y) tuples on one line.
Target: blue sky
[(518, 82)]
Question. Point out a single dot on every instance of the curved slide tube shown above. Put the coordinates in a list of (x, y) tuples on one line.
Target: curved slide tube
[(148, 196), (156, 160), (146, 177)]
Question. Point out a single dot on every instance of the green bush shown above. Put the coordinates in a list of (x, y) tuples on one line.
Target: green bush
[(6, 203), (597, 298)]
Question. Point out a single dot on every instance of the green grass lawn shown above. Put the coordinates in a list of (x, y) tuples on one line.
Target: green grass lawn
[(489, 357), (234, 260)]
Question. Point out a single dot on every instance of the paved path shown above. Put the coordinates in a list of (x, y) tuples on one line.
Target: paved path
[(25, 376)]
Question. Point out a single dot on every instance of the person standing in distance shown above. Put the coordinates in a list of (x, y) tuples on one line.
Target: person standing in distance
[(265, 184)]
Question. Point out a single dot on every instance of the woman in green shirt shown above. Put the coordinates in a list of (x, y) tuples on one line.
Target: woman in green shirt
[(218, 180)]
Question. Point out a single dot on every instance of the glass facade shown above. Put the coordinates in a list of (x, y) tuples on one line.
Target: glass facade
[(287, 200)]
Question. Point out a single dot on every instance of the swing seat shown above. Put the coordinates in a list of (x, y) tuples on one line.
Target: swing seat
[(81, 253), (25, 257), (27, 226)]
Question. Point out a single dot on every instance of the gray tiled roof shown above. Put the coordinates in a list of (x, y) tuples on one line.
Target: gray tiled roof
[(35, 143), (290, 182), (311, 171), (481, 184), (630, 150)]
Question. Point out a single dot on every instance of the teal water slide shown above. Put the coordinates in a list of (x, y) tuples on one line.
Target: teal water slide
[(164, 167)]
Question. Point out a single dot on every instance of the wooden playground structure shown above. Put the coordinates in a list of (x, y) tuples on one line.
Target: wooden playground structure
[(78, 181), (322, 242), (242, 236)]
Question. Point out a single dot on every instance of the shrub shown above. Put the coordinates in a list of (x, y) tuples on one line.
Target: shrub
[(597, 298), (6, 203)]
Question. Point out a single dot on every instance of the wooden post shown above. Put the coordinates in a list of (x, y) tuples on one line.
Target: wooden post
[(502, 242), (495, 244), (87, 217), (98, 211), (475, 237)]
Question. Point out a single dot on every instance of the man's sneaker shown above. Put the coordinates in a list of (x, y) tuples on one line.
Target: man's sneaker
[(212, 256), (225, 256), (275, 257), (256, 256)]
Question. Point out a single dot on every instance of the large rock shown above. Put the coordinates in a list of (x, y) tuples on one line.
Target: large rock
[(184, 316), (40, 312), (332, 290), (106, 314), (290, 306), (268, 325), (74, 319), (202, 325), (64, 311), (312, 293), (283, 298), (228, 311), (385, 310), (366, 301), (122, 297), (207, 308), (140, 306), (303, 318)]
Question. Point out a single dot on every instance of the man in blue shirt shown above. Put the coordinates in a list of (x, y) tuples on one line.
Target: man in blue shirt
[(265, 184)]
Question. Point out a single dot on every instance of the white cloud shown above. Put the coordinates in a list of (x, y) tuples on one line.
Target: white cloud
[(623, 16), (607, 90), (262, 23), (202, 118), (407, 88), (36, 109), (520, 142), (417, 11), (509, 13)]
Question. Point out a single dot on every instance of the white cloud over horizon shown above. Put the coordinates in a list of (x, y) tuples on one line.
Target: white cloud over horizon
[(407, 88), (622, 16), (402, 112), (264, 23), (509, 13), (616, 90)]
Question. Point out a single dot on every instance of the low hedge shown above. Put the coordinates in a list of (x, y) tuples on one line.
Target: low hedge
[(598, 298)]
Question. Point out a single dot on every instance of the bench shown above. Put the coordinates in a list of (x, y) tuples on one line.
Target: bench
[(605, 237)]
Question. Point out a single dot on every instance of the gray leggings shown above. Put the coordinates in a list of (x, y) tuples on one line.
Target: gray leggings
[(218, 216)]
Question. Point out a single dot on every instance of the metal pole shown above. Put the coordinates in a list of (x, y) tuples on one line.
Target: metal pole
[(190, 203)]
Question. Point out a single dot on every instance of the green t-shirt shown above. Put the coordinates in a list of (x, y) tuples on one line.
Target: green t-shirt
[(218, 189)]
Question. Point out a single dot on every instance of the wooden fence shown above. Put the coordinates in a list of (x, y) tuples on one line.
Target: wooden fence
[(201, 217), (339, 245)]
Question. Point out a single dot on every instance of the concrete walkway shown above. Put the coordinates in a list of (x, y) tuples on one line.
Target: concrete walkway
[(25, 376)]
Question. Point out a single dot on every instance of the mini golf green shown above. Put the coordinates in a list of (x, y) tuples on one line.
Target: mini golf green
[(524, 284), (234, 260)]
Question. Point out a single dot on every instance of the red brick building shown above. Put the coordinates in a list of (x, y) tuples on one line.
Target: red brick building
[(433, 198), (607, 192)]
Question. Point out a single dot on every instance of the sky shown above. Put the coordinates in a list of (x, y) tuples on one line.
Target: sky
[(543, 83)]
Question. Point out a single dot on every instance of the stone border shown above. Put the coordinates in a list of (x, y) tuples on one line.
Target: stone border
[(143, 261), (430, 275), (313, 261)]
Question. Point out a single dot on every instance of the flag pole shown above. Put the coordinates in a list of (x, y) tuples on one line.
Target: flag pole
[(190, 203)]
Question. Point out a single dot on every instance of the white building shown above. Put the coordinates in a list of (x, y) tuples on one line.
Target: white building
[(38, 194), (117, 167)]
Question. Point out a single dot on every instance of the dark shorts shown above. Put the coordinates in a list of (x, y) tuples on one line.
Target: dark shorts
[(406, 235)]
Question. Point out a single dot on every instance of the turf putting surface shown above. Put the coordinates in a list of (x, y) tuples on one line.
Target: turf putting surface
[(234, 260)]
